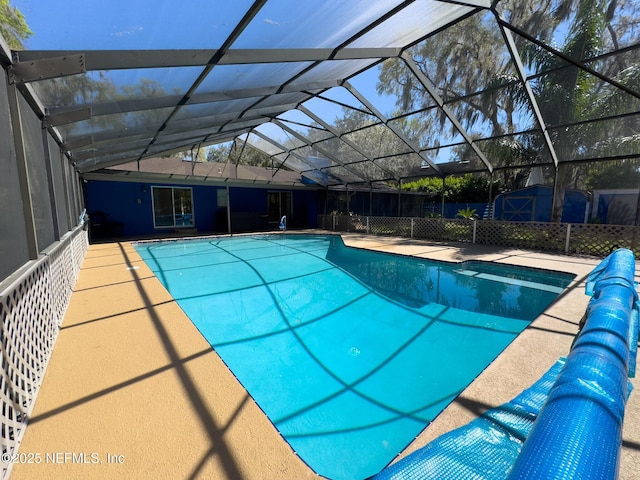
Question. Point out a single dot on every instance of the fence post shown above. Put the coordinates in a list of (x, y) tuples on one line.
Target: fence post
[(475, 224), (566, 242), (412, 222)]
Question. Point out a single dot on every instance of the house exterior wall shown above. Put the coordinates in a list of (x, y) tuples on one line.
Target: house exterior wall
[(125, 209)]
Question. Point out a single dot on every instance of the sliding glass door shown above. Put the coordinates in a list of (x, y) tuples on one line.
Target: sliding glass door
[(172, 207)]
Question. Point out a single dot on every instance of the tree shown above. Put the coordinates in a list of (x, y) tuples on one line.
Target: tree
[(196, 154), (571, 95), (467, 213), (476, 80), (444, 60), (490, 101), (13, 26), (240, 154), (464, 189), (96, 88), (372, 142), (218, 153), (611, 175)]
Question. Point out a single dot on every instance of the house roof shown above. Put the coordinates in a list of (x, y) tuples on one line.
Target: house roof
[(304, 82), (173, 168)]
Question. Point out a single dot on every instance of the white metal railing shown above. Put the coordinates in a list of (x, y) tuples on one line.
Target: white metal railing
[(571, 238), (32, 306)]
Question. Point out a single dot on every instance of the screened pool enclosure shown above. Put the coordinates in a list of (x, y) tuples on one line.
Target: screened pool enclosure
[(353, 95), (359, 96)]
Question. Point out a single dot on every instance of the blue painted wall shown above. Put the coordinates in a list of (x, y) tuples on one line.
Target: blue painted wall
[(306, 207), (385, 204), (127, 209), (451, 209), (114, 208), (249, 209)]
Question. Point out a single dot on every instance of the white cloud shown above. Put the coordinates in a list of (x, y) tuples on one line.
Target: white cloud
[(128, 31)]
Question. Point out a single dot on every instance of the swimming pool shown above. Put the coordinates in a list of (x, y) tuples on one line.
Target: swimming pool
[(350, 353)]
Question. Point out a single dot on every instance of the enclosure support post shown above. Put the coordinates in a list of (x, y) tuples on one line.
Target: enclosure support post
[(326, 199), (491, 197), (23, 171), (566, 242), (67, 176), (368, 229), (228, 211), (412, 224), (370, 201), (348, 208), (637, 216), (52, 187), (556, 197), (587, 209), (475, 226), (79, 193), (442, 208)]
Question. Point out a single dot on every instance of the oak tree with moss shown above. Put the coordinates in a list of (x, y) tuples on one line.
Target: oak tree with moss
[(13, 26)]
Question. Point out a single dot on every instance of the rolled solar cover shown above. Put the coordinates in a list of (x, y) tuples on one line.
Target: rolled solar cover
[(633, 338), (578, 433), (485, 448)]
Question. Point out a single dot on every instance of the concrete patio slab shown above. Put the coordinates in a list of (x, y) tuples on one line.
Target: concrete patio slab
[(134, 391)]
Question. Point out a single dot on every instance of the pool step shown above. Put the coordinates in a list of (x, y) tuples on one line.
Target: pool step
[(511, 281)]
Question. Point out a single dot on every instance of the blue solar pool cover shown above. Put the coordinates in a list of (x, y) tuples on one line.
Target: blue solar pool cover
[(566, 426), (579, 431), (487, 447)]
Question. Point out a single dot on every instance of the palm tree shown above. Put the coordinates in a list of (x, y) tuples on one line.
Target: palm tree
[(570, 97), (478, 81)]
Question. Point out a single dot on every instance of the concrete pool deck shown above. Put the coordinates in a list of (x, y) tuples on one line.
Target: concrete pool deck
[(134, 391)]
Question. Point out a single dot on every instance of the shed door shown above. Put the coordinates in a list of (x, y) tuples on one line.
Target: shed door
[(518, 209)]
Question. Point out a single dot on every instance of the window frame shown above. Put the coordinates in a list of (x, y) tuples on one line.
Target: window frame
[(173, 206), (288, 210)]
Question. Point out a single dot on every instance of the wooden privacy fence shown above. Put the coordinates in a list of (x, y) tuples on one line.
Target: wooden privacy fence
[(570, 238)]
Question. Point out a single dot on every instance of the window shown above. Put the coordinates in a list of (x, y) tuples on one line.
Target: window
[(279, 204), (172, 207)]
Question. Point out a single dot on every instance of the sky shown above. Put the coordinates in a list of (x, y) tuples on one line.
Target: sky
[(127, 24)]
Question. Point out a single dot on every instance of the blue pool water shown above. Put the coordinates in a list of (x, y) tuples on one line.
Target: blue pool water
[(350, 353)]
